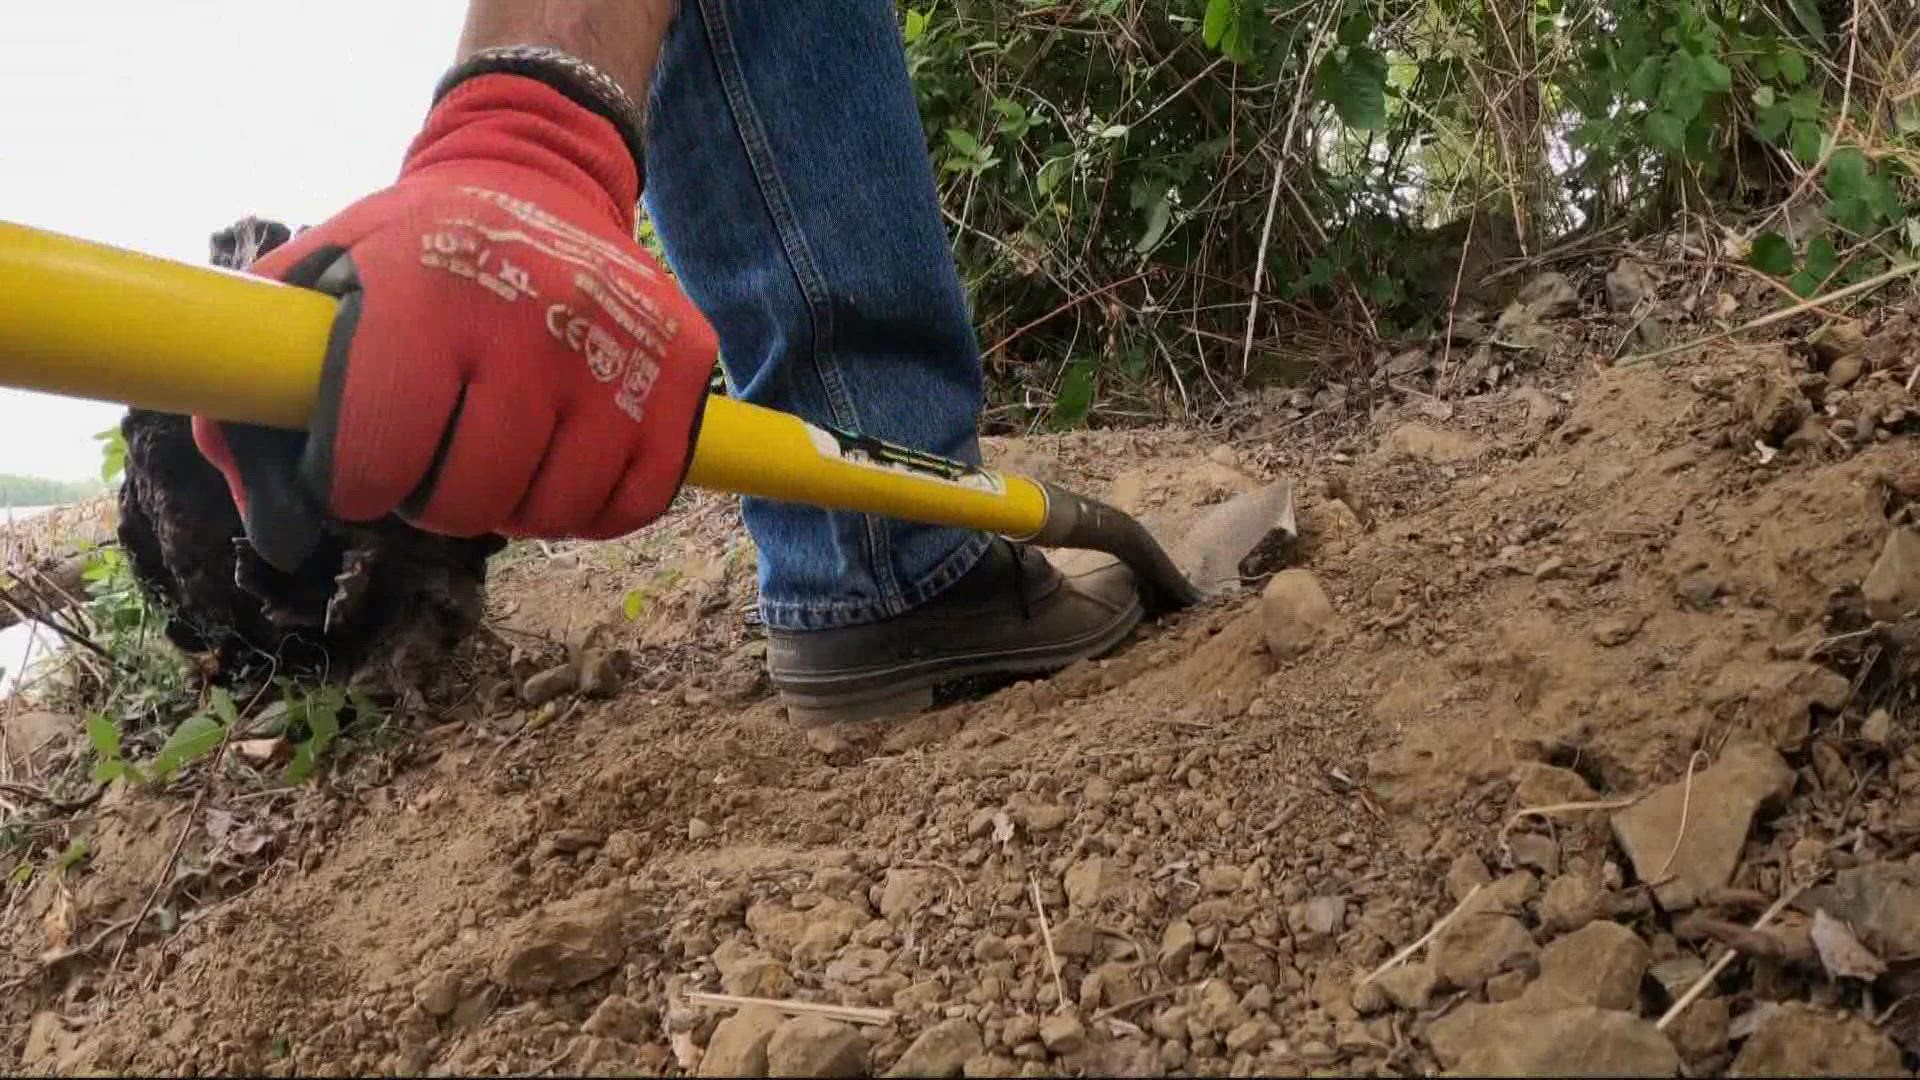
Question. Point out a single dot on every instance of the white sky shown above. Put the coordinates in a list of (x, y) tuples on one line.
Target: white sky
[(151, 124)]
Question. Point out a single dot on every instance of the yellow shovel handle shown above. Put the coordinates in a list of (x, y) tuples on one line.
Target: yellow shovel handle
[(93, 321)]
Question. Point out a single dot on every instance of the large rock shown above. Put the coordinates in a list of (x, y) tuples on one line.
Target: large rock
[(1892, 587), (1294, 613), (816, 1046), (942, 1050), (1628, 284), (1800, 1040), (738, 1046), (1513, 1040), (1600, 964), (564, 944), (1777, 699), (1480, 944), (1717, 816), (1881, 901)]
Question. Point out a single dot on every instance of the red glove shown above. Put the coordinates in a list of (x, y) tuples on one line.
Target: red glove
[(506, 357)]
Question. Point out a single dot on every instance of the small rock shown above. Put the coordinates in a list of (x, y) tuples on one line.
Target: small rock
[(1436, 446), (1047, 818), (989, 1065), (1570, 902), (548, 685), (1878, 727), (1326, 914), (1250, 962), (438, 993), (1063, 1034), (1176, 945), (1466, 872), (565, 943), (942, 1050), (907, 891), (1839, 340), (1410, 986), (599, 674), (1800, 1040), (1225, 456), (1613, 633), (1676, 974), (1535, 851), (1093, 881), (1511, 1040), (1369, 999), (755, 976), (1701, 1031), (1698, 591), (1548, 296), (1719, 811), (1844, 372), (618, 1017), (738, 1046), (1250, 1037), (1221, 880), (1217, 1009), (816, 1046), (1892, 587), (1881, 901), (1600, 964), (1075, 937), (698, 829), (990, 947), (1628, 283), (829, 743), (1294, 612), (1479, 945), (1772, 402), (34, 736)]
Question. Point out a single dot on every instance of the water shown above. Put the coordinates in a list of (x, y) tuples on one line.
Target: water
[(11, 514), (21, 646)]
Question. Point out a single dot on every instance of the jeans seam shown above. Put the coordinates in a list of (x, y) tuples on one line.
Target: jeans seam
[(804, 267), (833, 614)]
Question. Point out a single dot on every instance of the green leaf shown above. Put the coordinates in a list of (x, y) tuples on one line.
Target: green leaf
[(1715, 74), (1158, 214), (223, 705), (104, 734), (1770, 123), (1054, 173), (21, 874), (1356, 28), (1763, 97), (1771, 254), (1806, 140), (1847, 174), (1667, 131), (1219, 14), (1356, 88), (1809, 17), (195, 738), (916, 24), (1076, 396), (632, 604), (1645, 81), (1793, 67), (964, 142), (1806, 104), (1908, 120), (1114, 131), (73, 856)]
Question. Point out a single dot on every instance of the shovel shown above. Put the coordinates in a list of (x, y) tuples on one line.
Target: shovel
[(93, 321)]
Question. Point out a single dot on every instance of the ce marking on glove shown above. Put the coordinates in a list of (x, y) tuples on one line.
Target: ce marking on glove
[(606, 357), (461, 255)]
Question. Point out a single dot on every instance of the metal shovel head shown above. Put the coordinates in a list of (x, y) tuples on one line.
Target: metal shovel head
[(1230, 543), (1239, 539)]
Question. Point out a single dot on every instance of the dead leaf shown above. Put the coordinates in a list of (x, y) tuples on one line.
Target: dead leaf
[(1002, 828), (260, 751), (58, 922), (1840, 952)]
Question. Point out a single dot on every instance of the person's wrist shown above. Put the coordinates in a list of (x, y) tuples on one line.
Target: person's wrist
[(571, 76)]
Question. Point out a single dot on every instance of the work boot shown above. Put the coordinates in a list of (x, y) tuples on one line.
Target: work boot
[(1012, 614)]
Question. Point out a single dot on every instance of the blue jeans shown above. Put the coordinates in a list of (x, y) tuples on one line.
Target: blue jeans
[(789, 181)]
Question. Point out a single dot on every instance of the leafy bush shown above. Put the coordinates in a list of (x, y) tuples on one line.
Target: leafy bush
[(1122, 179)]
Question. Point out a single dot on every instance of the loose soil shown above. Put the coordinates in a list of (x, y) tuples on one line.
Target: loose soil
[(1561, 593)]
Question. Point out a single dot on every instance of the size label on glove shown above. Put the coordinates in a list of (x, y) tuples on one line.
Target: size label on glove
[(596, 298)]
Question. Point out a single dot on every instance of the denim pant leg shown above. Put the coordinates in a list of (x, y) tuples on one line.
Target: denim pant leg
[(789, 181)]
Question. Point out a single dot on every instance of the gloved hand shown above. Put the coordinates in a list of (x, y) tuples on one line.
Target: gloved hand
[(506, 357)]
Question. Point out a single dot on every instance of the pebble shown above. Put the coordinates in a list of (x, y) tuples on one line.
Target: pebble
[(1570, 902), (698, 829), (1701, 1031), (1479, 945), (1250, 1037), (1294, 612), (816, 1046), (1892, 587), (1063, 1035), (1176, 945), (438, 993), (942, 1050), (1326, 914), (548, 685), (1466, 872), (1410, 986)]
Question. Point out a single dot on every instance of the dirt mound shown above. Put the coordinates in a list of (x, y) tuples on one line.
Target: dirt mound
[(1595, 682)]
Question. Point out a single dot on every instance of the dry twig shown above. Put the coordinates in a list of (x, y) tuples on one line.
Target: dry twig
[(852, 1014), (1046, 938)]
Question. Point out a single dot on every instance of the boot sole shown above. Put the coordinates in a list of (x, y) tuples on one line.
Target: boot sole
[(909, 688)]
